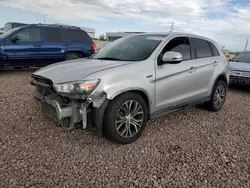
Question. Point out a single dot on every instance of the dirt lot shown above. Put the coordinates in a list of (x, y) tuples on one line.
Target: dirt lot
[(190, 148)]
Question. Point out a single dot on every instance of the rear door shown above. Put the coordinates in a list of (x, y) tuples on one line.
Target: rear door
[(55, 44), (80, 41), (24, 51), (204, 66)]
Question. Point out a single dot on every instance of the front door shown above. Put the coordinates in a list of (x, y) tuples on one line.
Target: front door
[(175, 83), (22, 48)]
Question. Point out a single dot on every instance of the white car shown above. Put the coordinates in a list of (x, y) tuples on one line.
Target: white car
[(132, 80)]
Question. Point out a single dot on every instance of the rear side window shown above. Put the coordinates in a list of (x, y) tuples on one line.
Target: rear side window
[(202, 48), (214, 49), (54, 35), (78, 36)]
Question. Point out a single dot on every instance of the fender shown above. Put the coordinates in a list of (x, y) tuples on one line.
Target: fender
[(117, 90), (112, 92), (225, 78)]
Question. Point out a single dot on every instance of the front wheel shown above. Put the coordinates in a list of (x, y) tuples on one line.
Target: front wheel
[(218, 97), (125, 118)]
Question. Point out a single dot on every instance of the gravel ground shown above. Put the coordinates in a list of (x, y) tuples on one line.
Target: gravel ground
[(189, 148)]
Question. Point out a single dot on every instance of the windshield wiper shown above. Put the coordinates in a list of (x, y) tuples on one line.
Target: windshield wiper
[(109, 58)]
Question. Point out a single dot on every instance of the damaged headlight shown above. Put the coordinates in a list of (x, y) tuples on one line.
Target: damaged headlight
[(77, 87)]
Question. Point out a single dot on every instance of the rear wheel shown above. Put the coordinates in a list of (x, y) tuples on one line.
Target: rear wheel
[(73, 55), (218, 96), (125, 118)]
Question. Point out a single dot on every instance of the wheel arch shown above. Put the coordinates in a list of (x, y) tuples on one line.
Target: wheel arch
[(143, 93), (98, 113), (73, 52), (221, 77), (82, 53)]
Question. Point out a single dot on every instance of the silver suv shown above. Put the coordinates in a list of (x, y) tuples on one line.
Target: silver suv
[(132, 80)]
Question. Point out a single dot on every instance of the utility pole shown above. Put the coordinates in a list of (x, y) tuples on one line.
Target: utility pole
[(172, 27), (44, 18), (246, 45)]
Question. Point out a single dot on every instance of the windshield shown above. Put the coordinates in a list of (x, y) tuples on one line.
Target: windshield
[(243, 57), (9, 32), (130, 48)]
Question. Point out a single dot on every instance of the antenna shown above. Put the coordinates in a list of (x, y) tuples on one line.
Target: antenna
[(44, 18), (172, 27), (246, 45)]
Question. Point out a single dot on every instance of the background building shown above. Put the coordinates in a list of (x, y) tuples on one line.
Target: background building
[(111, 36), (10, 25), (90, 31)]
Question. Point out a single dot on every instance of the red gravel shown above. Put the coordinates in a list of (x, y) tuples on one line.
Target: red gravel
[(189, 148)]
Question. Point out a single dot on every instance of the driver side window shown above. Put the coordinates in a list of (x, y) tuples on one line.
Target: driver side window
[(28, 35), (181, 45)]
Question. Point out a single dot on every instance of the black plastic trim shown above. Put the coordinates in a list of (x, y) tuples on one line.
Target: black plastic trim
[(227, 81), (178, 107), (97, 116)]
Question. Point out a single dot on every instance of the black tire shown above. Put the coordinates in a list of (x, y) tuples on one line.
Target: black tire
[(73, 55), (110, 129), (211, 105)]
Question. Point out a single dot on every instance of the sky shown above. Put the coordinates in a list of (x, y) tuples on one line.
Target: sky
[(225, 21)]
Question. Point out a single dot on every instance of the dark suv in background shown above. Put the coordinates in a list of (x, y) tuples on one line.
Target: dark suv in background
[(40, 45)]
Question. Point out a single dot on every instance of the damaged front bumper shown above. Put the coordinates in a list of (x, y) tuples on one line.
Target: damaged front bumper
[(85, 112)]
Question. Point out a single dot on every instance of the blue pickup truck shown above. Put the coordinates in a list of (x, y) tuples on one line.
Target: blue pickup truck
[(40, 45)]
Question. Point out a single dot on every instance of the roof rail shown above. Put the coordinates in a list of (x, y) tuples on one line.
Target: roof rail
[(55, 25), (65, 26)]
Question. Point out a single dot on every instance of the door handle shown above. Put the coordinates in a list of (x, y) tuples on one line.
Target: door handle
[(192, 69), (37, 45), (65, 44), (215, 63)]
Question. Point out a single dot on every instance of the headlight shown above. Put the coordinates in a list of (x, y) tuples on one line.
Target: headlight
[(77, 87)]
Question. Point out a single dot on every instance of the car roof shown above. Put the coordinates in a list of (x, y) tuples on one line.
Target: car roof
[(177, 33)]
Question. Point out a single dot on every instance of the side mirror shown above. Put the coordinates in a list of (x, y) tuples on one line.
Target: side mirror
[(15, 39), (172, 57)]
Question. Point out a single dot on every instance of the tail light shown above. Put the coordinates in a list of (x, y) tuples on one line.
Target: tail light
[(93, 47)]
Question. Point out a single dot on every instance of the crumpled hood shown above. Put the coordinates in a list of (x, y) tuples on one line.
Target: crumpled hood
[(240, 66), (77, 69)]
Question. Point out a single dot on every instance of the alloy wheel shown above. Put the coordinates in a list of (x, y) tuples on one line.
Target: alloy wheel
[(219, 96), (129, 119)]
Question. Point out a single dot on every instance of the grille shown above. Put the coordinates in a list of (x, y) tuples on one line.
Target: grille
[(240, 80)]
